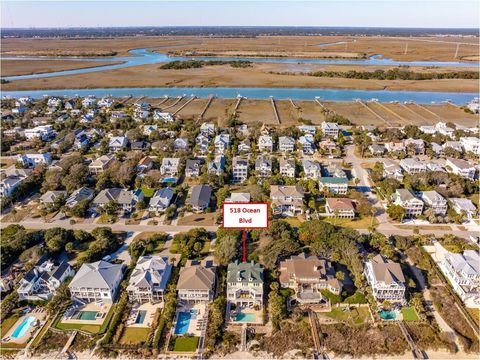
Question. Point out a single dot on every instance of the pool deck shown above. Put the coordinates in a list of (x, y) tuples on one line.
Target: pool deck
[(195, 326), (101, 308), (39, 315), (232, 313), (149, 308)]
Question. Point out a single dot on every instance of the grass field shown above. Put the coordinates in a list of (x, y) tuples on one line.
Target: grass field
[(355, 316), (198, 219), (409, 314), (362, 223), (186, 344), (7, 324), (148, 192), (134, 335)]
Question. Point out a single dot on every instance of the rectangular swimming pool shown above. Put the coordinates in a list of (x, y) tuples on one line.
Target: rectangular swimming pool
[(246, 318), (87, 315), (183, 322), (140, 317)]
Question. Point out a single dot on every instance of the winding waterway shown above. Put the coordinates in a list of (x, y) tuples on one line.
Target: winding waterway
[(146, 56)]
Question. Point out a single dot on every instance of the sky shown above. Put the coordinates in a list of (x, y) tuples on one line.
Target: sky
[(380, 13)]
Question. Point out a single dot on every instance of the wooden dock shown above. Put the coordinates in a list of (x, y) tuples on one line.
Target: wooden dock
[(179, 98), (275, 110), (207, 105), (237, 104), (186, 103), (373, 112)]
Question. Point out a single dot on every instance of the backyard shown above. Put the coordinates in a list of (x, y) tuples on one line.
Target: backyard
[(134, 335), (186, 344), (409, 314), (353, 315), (90, 328)]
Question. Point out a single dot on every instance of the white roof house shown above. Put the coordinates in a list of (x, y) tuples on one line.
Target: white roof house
[(96, 281), (149, 279)]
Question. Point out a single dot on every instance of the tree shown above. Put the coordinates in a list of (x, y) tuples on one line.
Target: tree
[(52, 180), (276, 305), (340, 275), (76, 177), (226, 249), (56, 239), (80, 210), (396, 212)]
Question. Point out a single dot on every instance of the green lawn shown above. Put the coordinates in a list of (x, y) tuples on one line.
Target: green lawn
[(186, 344), (147, 192), (362, 223), (7, 324), (356, 316), (93, 329), (134, 335), (409, 314)]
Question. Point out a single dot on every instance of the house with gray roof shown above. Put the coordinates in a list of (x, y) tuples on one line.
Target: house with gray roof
[(307, 144), (149, 279), (466, 206), (117, 143), (79, 195), (286, 200), (216, 166), (435, 201), (200, 197), (263, 166), (50, 197), (196, 282), (265, 143), (287, 168), (42, 281), (330, 129), (98, 281), (161, 200), (100, 164), (406, 198), (126, 199), (245, 284), (412, 166), (286, 144), (193, 167), (170, 166), (239, 169), (311, 169), (386, 279)]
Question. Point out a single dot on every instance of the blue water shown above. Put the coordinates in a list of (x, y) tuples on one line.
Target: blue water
[(183, 321), (23, 327), (140, 317), (388, 315), (169, 180), (145, 56), (421, 97), (245, 318)]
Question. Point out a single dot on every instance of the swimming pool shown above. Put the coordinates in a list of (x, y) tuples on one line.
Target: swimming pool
[(171, 180), (23, 327), (140, 317), (183, 322), (87, 315), (388, 314), (246, 318)]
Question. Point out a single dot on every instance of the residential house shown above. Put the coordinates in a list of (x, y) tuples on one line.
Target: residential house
[(330, 129), (265, 143), (333, 185), (149, 279), (334, 170), (435, 201), (311, 169), (454, 145), (412, 166), (460, 167), (180, 144), (286, 144), (117, 143), (386, 279), (222, 143), (139, 145), (96, 282), (163, 116), (202, 143), (307, 144), (328, 146), (244, 147), (100, 164), (89, 101), (51, 197), (437, 149), (79, 195), (161, 200), (465, 206), (340, 207), (377, 149), (307, 129), (406, 199), (463, 272), (263, 166), (245, 284), (392, 170), (170, 166), (394, 147), (471, 144), (443, 129), (238, 197), (42, 281), (145, 164), (126, 199), (207, 129), (287, 168), (11, 179), (196, 283), (216, 166), (148, 129), (43, 132), (193, 167), (239, 169), (200, 197), (307, 276), (286, 200), (32, 160), (417, 145)]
